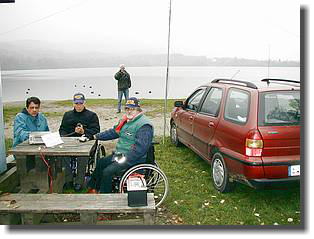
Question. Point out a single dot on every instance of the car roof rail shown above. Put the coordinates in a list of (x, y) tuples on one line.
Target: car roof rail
[(230, 81), (281, 81)]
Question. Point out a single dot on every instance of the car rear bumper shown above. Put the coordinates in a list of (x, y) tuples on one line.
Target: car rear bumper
[(274, 183)]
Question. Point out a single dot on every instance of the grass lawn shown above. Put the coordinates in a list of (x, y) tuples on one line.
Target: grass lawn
[(9, 112), (194, 201)]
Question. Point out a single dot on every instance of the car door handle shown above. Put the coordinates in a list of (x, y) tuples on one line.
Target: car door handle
[(211, 124)]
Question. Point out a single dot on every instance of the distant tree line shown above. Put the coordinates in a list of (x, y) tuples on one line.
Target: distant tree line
[(17, 59)]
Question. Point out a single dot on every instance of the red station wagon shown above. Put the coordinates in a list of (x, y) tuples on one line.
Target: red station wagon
[(248, 134)]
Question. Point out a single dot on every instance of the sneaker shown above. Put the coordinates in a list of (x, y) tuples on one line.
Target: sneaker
[(92, 191), (77, 187), (119, 111)]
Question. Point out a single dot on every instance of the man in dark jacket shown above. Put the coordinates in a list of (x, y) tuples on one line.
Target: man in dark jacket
[(124, 83), (75, 123), (135, 133)]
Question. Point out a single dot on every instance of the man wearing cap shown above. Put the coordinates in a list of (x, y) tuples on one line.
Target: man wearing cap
[(135, 133), (75, 123), (124, 83)]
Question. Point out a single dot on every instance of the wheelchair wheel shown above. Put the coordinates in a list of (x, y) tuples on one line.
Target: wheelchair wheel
[(156, 181)]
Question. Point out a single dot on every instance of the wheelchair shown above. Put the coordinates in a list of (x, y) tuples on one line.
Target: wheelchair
[(155, 178)]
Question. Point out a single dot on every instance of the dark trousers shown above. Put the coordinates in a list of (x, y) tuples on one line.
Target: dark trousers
[(81, 169), (106, 169)]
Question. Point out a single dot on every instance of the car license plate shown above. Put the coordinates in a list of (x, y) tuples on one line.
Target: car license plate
[(294, 170)]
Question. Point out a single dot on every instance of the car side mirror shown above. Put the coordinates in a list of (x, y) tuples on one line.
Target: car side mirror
[(178, 103)]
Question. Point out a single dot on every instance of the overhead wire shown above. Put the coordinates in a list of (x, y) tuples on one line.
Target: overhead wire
[(42, 18)]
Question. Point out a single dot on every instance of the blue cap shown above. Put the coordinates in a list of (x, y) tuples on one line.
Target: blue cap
[(132, 103), (78, 98)]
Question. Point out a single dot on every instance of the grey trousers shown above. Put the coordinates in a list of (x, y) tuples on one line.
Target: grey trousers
[(81, 169), (120, 96)]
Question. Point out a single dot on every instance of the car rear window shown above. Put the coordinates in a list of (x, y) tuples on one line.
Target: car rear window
[(237, 106), (279, 108)]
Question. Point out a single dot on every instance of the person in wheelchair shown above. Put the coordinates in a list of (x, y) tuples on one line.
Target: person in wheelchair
[(135, 133)]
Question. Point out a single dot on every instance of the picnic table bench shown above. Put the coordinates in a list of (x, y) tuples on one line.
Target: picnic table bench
[(36, 178), (29, 208)]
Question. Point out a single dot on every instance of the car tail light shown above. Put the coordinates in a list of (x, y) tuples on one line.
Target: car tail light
[(254, 144)]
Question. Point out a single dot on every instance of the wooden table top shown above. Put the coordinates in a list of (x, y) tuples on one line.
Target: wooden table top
[(71, 147)]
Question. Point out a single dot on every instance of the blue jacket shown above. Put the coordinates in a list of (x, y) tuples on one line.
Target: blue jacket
[(24, 123)]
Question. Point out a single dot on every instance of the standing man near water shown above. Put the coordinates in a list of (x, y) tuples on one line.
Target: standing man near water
[(75, 123), (124, 83)]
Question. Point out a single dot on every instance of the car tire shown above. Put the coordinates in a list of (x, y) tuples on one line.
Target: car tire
[(220, 174), (174, 135)]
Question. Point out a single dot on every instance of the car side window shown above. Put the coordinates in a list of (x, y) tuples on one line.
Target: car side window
[(237, 106), (194, 100), (211, 103)]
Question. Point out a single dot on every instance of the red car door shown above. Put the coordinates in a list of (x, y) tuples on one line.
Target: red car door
[(187, 115), (206, 121)]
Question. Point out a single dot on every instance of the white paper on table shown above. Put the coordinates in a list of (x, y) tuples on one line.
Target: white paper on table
[(52, 139)]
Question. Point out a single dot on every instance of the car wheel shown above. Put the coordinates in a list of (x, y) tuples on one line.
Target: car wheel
[(220, 175), (174, 135)]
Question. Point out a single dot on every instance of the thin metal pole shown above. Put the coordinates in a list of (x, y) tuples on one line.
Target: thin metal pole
[(167, 75), (268, 61)]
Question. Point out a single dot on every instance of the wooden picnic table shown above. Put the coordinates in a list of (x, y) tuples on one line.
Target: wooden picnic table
[(35, 178), (30, 208)]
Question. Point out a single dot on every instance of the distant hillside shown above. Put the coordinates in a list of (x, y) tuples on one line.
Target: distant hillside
[(37, 55)]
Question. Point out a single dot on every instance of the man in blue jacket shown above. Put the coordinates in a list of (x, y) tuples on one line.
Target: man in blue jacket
[(29, 120), (135, 133)]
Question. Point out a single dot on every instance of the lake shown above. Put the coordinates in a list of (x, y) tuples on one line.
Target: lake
[(147, 82)]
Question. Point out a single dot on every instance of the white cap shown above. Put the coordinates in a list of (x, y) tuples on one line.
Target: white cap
[(122, 66)]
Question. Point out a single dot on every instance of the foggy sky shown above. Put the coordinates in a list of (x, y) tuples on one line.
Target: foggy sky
[(225, 28)]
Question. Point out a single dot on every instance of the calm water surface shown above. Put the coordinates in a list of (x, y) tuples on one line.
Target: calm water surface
[(147, 82)]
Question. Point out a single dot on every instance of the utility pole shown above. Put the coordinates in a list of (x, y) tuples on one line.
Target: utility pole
[(167, 75)]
